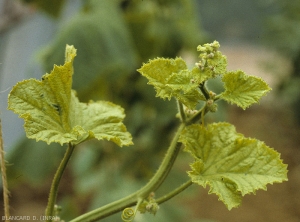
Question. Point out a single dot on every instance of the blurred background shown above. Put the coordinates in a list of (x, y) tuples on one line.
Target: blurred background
[(113, 38)]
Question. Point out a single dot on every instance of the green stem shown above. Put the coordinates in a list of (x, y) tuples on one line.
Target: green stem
[(55, 182), (165, 166), (198, 116), (174, 192), (204, 90), (181, 111), (144, 192), (217, 97)]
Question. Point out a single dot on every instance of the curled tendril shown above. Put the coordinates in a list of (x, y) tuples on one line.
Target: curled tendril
[(128, 214)]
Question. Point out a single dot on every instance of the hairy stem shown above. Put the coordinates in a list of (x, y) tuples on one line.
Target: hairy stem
[(144, 192), (173, 193), (4, 178), (56, 180)]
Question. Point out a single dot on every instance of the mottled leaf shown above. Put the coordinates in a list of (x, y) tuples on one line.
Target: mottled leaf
[(53, 113), (229, 163), (171, 78), (243, 90)]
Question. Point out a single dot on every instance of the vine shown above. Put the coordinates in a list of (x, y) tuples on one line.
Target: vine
[(228, 162)]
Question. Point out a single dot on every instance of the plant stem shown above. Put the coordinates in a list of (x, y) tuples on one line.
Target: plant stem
[(217, 97), (4, 178), (56, 180), (198, 116), (181, 111), (174, 192), (204, 90), (144, 192), (165, 166)]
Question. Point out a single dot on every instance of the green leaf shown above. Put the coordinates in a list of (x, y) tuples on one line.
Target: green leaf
[(243, 90), (52, 112), (170, 77), (229, 163)]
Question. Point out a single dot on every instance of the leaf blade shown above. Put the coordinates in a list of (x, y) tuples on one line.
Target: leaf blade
[(53, 113), (243, 90), (229, 163), (171, 78), (103, 120), (159, 70)]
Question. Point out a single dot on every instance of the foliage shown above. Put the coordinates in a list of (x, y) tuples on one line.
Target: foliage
[(227, 161), (172, 78), (281, 32), (231, 164), (242, 89), (52, 112), (126, 34), (111, 50), (281, 29)]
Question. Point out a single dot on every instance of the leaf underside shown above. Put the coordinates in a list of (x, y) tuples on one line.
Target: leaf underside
[(53, 113)]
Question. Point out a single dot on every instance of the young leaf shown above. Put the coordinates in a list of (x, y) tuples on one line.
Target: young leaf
[(243, 90), (159, 71), (185, 86), (212, 61), (170, 77), (52, 112), (229, 163)]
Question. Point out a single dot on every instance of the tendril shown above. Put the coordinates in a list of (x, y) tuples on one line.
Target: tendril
[(128, 214)]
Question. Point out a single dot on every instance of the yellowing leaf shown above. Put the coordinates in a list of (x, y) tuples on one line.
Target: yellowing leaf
[(171, 78), (229, 163), (187, 80), (243, 90), (159, 70), (52, 112)]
